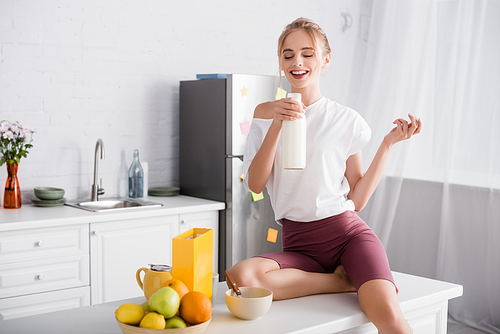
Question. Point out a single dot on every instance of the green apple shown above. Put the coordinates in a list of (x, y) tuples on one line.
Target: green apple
[(145, 307), (175, 322), (165, 301)]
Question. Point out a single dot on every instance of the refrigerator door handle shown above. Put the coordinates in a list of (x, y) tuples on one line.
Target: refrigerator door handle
[(235, 156)]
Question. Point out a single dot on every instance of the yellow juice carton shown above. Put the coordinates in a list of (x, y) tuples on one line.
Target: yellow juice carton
[(192, 259)]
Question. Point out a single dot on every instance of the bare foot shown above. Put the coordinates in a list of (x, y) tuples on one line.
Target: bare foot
[(343, 283)]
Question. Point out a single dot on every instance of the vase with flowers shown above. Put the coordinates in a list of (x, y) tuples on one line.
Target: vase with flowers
[(15, 141)]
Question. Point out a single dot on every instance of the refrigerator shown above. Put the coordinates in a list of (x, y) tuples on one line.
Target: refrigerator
[(216, 112)]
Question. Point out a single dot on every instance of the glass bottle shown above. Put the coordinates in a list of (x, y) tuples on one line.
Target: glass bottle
[(293, 140), (135, 177)]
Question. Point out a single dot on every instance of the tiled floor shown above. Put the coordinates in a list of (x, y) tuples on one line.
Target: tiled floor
[(460, 329)]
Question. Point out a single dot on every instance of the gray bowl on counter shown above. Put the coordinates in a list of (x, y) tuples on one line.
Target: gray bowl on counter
[(49, 193)]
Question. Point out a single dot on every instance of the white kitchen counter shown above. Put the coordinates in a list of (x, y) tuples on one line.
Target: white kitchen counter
[(31, 216), (423, 301)]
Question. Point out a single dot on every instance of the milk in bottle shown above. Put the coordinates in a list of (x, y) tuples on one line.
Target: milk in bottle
[(293, 140)]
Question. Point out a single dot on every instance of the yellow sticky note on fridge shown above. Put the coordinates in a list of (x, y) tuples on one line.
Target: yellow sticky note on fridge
[(272, 235), (257, 197), (280, 93)]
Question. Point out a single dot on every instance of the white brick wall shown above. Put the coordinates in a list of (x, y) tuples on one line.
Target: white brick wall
[(88, 69)]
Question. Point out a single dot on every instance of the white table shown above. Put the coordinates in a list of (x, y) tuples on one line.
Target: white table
[(423, 301)]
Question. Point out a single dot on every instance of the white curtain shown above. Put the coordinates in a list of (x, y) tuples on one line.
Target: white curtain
[(437, 209)]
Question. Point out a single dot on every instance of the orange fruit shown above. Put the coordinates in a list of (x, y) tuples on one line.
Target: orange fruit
[(195, 308), (178, 286)]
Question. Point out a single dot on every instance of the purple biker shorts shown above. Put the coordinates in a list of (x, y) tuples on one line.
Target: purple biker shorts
[(322, 245)]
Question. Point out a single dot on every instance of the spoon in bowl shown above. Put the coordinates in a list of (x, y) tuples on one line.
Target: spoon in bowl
[(232, 284)]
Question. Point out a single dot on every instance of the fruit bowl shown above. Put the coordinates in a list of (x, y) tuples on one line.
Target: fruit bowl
[(196, 329), (254, 304)]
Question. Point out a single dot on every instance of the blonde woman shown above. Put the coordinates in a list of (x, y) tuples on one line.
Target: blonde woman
[(327, 248)]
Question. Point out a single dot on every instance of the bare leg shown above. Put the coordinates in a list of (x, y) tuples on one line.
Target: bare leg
[(288, 283), (380, 304)]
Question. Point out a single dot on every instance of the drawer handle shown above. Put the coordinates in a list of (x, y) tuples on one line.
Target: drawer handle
[(39, 243), (39, 277), (183, 222), (95, 232)]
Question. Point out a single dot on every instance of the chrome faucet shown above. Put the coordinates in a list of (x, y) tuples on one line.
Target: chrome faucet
[(96, 189)]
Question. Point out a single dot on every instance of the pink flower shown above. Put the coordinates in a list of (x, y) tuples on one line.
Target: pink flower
[(8, 135), (28, 129), (4, 126), (15, 129), (15, 141)]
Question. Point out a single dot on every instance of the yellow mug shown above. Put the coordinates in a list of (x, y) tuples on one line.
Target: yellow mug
[(154, 278)]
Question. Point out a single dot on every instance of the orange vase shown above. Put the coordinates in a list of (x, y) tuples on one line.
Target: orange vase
[(12, 194)]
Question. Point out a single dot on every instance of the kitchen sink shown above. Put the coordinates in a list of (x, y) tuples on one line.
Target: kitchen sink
[(110, 204)]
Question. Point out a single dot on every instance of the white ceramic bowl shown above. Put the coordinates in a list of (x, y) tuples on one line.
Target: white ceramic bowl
[(254, 304)]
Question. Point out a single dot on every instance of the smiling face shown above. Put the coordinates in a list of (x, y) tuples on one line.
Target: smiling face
[(301, 60)]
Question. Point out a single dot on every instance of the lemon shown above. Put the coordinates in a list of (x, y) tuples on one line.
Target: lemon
[(153, 320), (130, 314)]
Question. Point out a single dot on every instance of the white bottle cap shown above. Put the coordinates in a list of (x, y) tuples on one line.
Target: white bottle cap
[(296, 96)]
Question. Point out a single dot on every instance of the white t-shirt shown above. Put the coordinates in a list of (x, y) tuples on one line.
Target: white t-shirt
[(334, 133)]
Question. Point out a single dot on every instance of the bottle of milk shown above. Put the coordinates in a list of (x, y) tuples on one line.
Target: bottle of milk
[(293, 140)]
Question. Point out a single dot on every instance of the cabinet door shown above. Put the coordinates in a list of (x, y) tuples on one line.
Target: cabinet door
[(428, 319), (43, 243), (53, 273), (209, 219), (431, 319), (17, 307), (119, 249)]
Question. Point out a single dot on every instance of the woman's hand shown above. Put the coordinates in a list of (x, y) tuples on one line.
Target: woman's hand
[(287, 109), (403, 130), (363, 186)]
